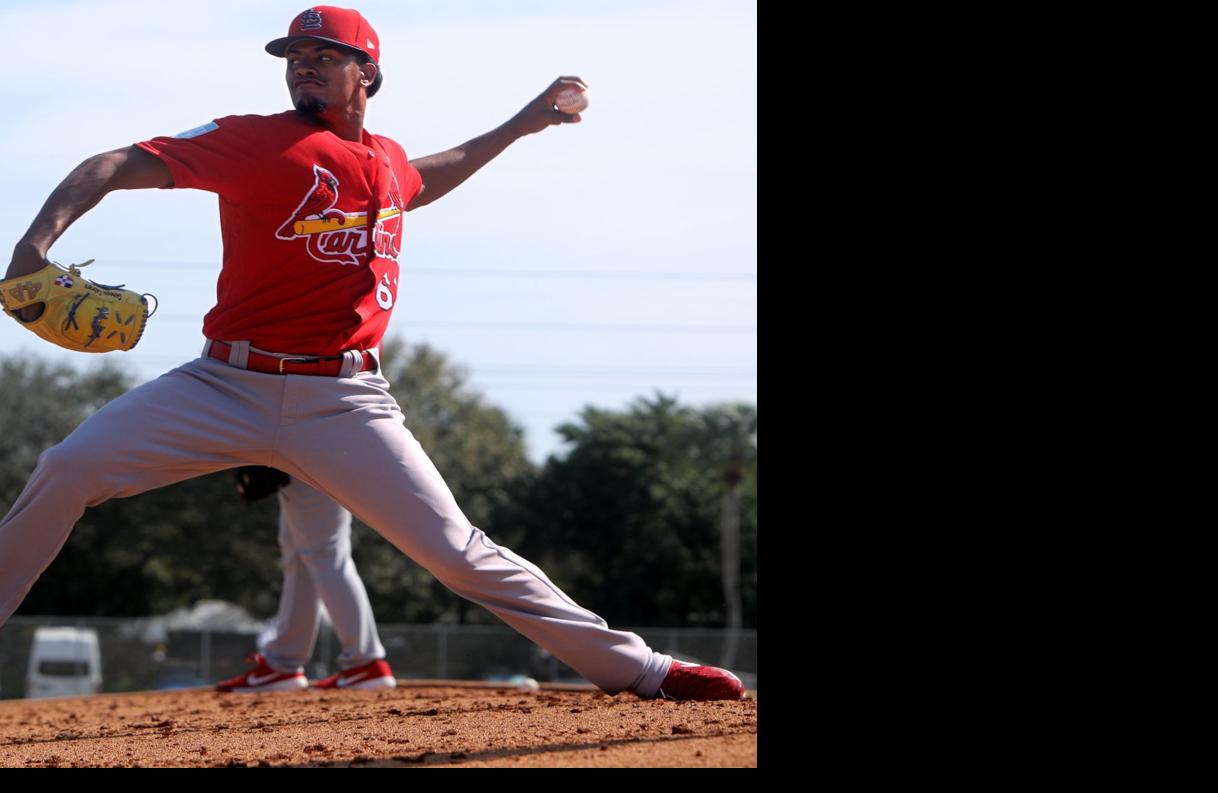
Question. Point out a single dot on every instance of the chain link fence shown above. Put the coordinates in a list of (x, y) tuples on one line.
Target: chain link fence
[(135, 658)]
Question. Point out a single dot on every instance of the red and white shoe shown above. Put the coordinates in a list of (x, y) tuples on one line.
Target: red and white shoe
[(263, 678), (370, 676), (692, 681)]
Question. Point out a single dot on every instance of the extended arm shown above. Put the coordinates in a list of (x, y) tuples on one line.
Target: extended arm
[(131, 168), (444, 171)]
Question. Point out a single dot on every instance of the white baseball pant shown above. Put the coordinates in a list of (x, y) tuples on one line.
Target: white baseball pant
[(315, 551), (344, 436)]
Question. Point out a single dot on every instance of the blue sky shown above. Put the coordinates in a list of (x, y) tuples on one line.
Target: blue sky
[(589, 264)]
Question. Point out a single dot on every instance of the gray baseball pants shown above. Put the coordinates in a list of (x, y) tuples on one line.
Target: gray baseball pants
[(315, 551), (346, 437)]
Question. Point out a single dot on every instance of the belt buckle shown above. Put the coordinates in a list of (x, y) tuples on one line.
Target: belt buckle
[(305, 359)]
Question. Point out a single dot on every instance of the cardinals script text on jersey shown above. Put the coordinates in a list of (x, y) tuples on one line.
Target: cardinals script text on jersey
[(342, 237)]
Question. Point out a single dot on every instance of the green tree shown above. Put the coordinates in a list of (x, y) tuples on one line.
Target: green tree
[(731, 437), (163, 549), (645, 520), (630, 521), (40, 403), (130, 556)]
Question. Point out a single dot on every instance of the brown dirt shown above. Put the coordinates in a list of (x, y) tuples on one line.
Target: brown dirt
[(413, 726)]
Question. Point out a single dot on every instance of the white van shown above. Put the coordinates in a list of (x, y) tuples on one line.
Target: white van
[(64, 662)]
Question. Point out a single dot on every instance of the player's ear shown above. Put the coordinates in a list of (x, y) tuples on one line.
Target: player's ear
[(368, 72)]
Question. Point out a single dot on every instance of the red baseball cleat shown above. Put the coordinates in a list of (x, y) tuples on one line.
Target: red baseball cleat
[(263, 678), (373, 675), (691, 681)]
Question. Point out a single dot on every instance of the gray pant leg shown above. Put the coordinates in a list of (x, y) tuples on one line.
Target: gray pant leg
[(188, 422), (315, 539), (299, 616), (370, 463)]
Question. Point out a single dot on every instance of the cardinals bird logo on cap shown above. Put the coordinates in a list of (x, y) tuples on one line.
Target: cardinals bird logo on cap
[(310, 20)]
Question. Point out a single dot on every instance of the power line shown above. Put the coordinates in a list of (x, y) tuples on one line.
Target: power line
[(576, 386), (620, 327), (445, 272), (609, 370), (480, 370), (581, 388), (589, 274), (627, 327)]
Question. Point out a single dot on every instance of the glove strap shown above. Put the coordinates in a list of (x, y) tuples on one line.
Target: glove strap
[(74, 269)]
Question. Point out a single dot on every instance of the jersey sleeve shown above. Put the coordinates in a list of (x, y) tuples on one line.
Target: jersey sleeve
[(409, 178), (220, 157), (416, 183)]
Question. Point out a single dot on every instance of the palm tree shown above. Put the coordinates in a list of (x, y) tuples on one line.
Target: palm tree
[(733, 429)]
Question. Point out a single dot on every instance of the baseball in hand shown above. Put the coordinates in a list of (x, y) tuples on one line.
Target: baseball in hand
[(572, 100)]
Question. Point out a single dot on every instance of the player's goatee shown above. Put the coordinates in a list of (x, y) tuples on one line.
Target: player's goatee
[(311, 106)]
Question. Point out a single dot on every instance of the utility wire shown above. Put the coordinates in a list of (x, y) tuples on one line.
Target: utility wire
[(445, 272), (477, 370), (620, 327)]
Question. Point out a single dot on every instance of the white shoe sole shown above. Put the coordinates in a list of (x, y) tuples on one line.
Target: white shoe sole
[(291, 684), (374, 684)]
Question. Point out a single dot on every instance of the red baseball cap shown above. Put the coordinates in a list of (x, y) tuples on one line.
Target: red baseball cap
[(343, 26)]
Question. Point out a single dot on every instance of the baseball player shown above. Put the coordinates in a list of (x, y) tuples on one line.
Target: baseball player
[(315, 547), (311, 209)]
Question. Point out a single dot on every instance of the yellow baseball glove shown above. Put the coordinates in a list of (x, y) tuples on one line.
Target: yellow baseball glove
[(78, 314)]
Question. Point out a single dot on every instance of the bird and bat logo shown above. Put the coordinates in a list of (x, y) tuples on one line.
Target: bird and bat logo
[(336, 237)]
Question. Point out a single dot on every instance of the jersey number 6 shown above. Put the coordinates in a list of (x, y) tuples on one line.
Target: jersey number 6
[(384, 296)]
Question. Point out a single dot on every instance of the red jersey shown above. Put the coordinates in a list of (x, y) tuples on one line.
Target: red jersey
[(301, 273)]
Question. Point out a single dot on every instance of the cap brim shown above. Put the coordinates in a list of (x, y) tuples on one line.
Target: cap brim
[(279, 47)]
